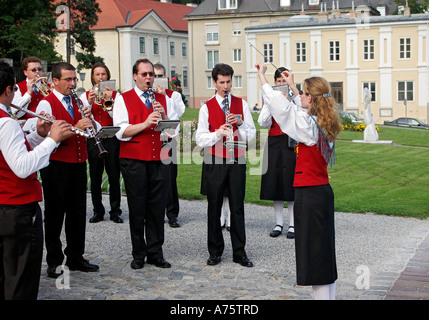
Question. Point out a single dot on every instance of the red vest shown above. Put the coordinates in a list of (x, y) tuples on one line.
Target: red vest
[(35, 98), (311, 168), (217, 118), (101, 116), (146, 145), (72, 150), (169, 92), (14, 190), (275, 129)]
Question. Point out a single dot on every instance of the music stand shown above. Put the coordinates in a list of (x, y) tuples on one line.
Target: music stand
[(107, 132), (167, 124)]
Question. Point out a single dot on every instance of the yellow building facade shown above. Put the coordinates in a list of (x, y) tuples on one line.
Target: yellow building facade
[(386, 54)]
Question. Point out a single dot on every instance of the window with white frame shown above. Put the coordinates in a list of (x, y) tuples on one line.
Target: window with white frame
[(268, 52), (227, 4), (155, 46), (212, 34), (405, 90), (334, 50), (237, 55), (372, 89), (212, 58), (184, 49), (185, 79), (301, 52), (172, 50), (368, 49), (142, 44), (404, 48), (238, 82), (236, 28), (210, 84)]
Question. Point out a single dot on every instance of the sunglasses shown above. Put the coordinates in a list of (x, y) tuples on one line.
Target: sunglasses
[(144, 74), (302, 92), (36, 69), (14, 88), (159, 76)]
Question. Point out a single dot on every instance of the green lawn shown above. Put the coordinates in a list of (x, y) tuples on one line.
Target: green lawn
[(383, 179)]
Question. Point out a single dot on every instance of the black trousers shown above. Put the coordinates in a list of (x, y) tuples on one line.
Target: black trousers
[(96, 170), (64, 191), (21, 250), (172, 209), (218, 176), (146, 184)]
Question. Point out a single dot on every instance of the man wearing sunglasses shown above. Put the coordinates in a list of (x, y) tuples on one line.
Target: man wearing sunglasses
[(146, 177), (27, 96)]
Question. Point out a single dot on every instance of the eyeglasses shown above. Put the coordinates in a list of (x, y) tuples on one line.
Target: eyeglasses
[(70, 80), (144, 74), (36, 69), (14, 88), (159, 76)]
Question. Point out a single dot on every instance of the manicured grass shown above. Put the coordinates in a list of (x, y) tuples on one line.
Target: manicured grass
[(383, 179)]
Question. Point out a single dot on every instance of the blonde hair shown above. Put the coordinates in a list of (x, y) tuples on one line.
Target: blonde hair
[(323, 106)]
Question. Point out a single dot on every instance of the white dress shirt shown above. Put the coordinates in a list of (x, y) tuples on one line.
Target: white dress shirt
[(120, 114), (12, 145), (205, 138), (20, 101), (292, 119)]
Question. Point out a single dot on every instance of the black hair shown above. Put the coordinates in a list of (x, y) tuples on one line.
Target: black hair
[(222, 69), (278, 73), (136, 65), (57, 69), (7, 76)]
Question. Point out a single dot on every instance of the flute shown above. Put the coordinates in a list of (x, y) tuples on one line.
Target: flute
[(49, 120)]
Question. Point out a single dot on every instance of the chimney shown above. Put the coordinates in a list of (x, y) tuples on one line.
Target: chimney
[(166, 1), (352, 14), (322, 15)]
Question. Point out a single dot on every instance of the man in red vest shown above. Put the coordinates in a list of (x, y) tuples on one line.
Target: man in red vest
[(21, 227), (145, 175), (218, 173), (172, 209), (64, 180), (28, 96)]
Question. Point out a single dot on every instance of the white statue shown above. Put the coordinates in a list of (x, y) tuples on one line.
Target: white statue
[(370, 134)]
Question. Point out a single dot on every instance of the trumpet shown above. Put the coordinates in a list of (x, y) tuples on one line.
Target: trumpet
[(106, 104), (50, 120), (42, 85), (91, 131)]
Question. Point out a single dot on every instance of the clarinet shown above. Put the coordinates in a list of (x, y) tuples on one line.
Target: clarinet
[(152, 100), (230, 138), (91, 130)]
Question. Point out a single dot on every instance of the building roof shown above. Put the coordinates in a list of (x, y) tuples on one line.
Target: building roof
[(209, 7), (116, 13), (310, 21)]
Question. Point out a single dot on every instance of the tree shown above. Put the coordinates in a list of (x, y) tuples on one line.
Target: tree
[(83, 16), (416, 6), (27, 29)]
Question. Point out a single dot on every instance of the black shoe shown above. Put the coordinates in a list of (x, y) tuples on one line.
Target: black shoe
[(244, 261), (96, 218), (275, 233), (52, 272), (173, 223), (213, 260), (160, 263), (137, 264), (117, 219), (82, 265), (290, 234)]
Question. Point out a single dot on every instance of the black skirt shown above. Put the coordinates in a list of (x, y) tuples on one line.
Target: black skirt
[(279, 161), (315, 235)]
